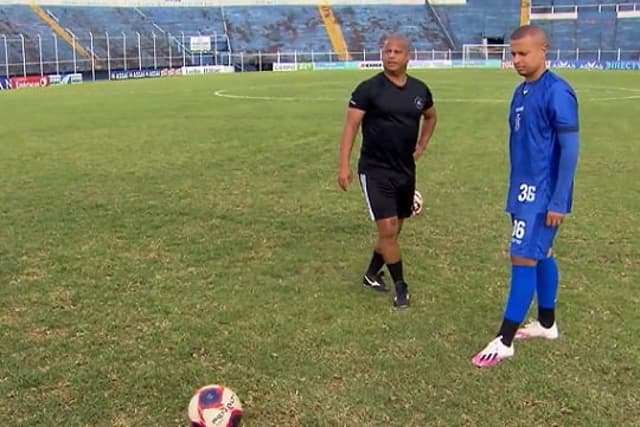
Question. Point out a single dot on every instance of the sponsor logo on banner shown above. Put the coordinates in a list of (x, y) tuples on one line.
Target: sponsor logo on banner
[(67, 79), (207, 69), (292, 66), (5, 84), (432, 63), (582, 64), (567, 65), (169, 72), (508, 64), (71, 79), (284, 66), (143, 74), (622, 65), (134, 74), (55, 79), (480, 63), (370, 65), (330, 66), (29, 81), (305, 66), (591, 65)]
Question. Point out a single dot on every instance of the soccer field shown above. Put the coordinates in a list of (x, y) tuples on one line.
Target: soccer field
[(160, 235)]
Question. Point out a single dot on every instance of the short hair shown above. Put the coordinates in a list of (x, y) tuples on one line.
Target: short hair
[(530, 31), (397, 37)]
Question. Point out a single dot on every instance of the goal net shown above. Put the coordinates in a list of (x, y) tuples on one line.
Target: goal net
[(475, 54)]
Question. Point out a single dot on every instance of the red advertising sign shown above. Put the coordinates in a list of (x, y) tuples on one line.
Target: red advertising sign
[(29, 81)]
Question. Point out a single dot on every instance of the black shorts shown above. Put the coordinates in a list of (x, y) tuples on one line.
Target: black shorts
[(388, 194)]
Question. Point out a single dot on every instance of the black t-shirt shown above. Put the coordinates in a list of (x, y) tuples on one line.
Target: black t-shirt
[(391, 122)]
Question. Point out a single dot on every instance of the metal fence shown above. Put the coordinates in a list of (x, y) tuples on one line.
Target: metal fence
[(22, 55), (94, 54)]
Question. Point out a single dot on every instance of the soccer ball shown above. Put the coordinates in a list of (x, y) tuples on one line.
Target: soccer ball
[(417, 203), (215, 406)]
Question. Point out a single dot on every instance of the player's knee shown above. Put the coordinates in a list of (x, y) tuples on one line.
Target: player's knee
[(523, 262), (388, 228)]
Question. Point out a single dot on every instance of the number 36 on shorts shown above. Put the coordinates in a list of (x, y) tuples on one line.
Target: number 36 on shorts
[(519, 229), (530, 237)]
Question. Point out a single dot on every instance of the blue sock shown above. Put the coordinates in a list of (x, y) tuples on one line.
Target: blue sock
[(547, 274), (523, 287), (521, 291)]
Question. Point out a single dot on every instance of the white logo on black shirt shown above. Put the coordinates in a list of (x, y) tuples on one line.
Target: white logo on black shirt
[(419, 102)]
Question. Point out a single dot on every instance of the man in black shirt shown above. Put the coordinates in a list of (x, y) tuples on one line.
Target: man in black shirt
[(390, 106)]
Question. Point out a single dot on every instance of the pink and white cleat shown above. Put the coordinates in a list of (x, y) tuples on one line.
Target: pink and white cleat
[(534, 329), (494, 353)]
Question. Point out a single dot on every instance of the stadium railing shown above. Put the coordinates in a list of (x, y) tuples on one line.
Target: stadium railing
[(42, 55)]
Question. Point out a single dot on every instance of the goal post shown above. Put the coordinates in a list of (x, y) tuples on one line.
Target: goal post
[(473, 54)]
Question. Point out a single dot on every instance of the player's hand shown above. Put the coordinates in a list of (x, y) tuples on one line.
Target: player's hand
[(417, 153), (554, 219), (344, 178)]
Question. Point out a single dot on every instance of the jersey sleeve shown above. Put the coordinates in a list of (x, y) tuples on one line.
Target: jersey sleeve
[(564, 109), (428, 99), (360, 97)]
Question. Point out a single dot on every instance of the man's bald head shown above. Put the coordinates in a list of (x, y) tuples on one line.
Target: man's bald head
[(529, 50), (533, 31), (395, 54), (398, 39)]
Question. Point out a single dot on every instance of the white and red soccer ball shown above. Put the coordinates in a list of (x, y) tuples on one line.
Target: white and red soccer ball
[(215, 406)]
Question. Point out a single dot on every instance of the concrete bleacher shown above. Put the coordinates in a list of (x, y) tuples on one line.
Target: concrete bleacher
[(627, 38), (276, 28), (188, 20), (365, 25), (16, 20), (476, 19), (595, 31), (122, 25)]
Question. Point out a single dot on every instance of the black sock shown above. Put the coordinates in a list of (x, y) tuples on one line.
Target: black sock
[(508, 331), (546, 317), (377, 261), (396, 272)]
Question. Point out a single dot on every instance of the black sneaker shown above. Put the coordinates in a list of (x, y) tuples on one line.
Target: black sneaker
[(375, 282), (401, 299)]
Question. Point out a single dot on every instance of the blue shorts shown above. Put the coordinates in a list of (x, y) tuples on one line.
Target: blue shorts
[(530, 237)]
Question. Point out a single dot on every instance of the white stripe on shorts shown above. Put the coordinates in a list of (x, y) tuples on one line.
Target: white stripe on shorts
[(363, 182)]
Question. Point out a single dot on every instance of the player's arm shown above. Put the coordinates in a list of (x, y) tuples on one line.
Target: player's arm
[(349, 131), (565, 120), (429, 119), (358, 105)]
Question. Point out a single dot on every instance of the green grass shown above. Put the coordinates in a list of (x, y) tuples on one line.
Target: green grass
[(155, 237)]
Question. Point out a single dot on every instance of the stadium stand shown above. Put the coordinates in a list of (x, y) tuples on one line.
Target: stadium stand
[(476, 19), (70, 37), (589, 30), (365, 25)]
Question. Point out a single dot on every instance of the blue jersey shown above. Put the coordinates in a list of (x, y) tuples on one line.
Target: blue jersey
[(540, 112)]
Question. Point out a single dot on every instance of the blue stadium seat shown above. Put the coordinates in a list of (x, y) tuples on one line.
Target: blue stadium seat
[(276, 28), (16, 20), (364, 26), (469, 23)]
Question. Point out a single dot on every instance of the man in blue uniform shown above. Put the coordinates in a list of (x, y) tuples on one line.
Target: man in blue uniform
[(543, 147), (390, 107)]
